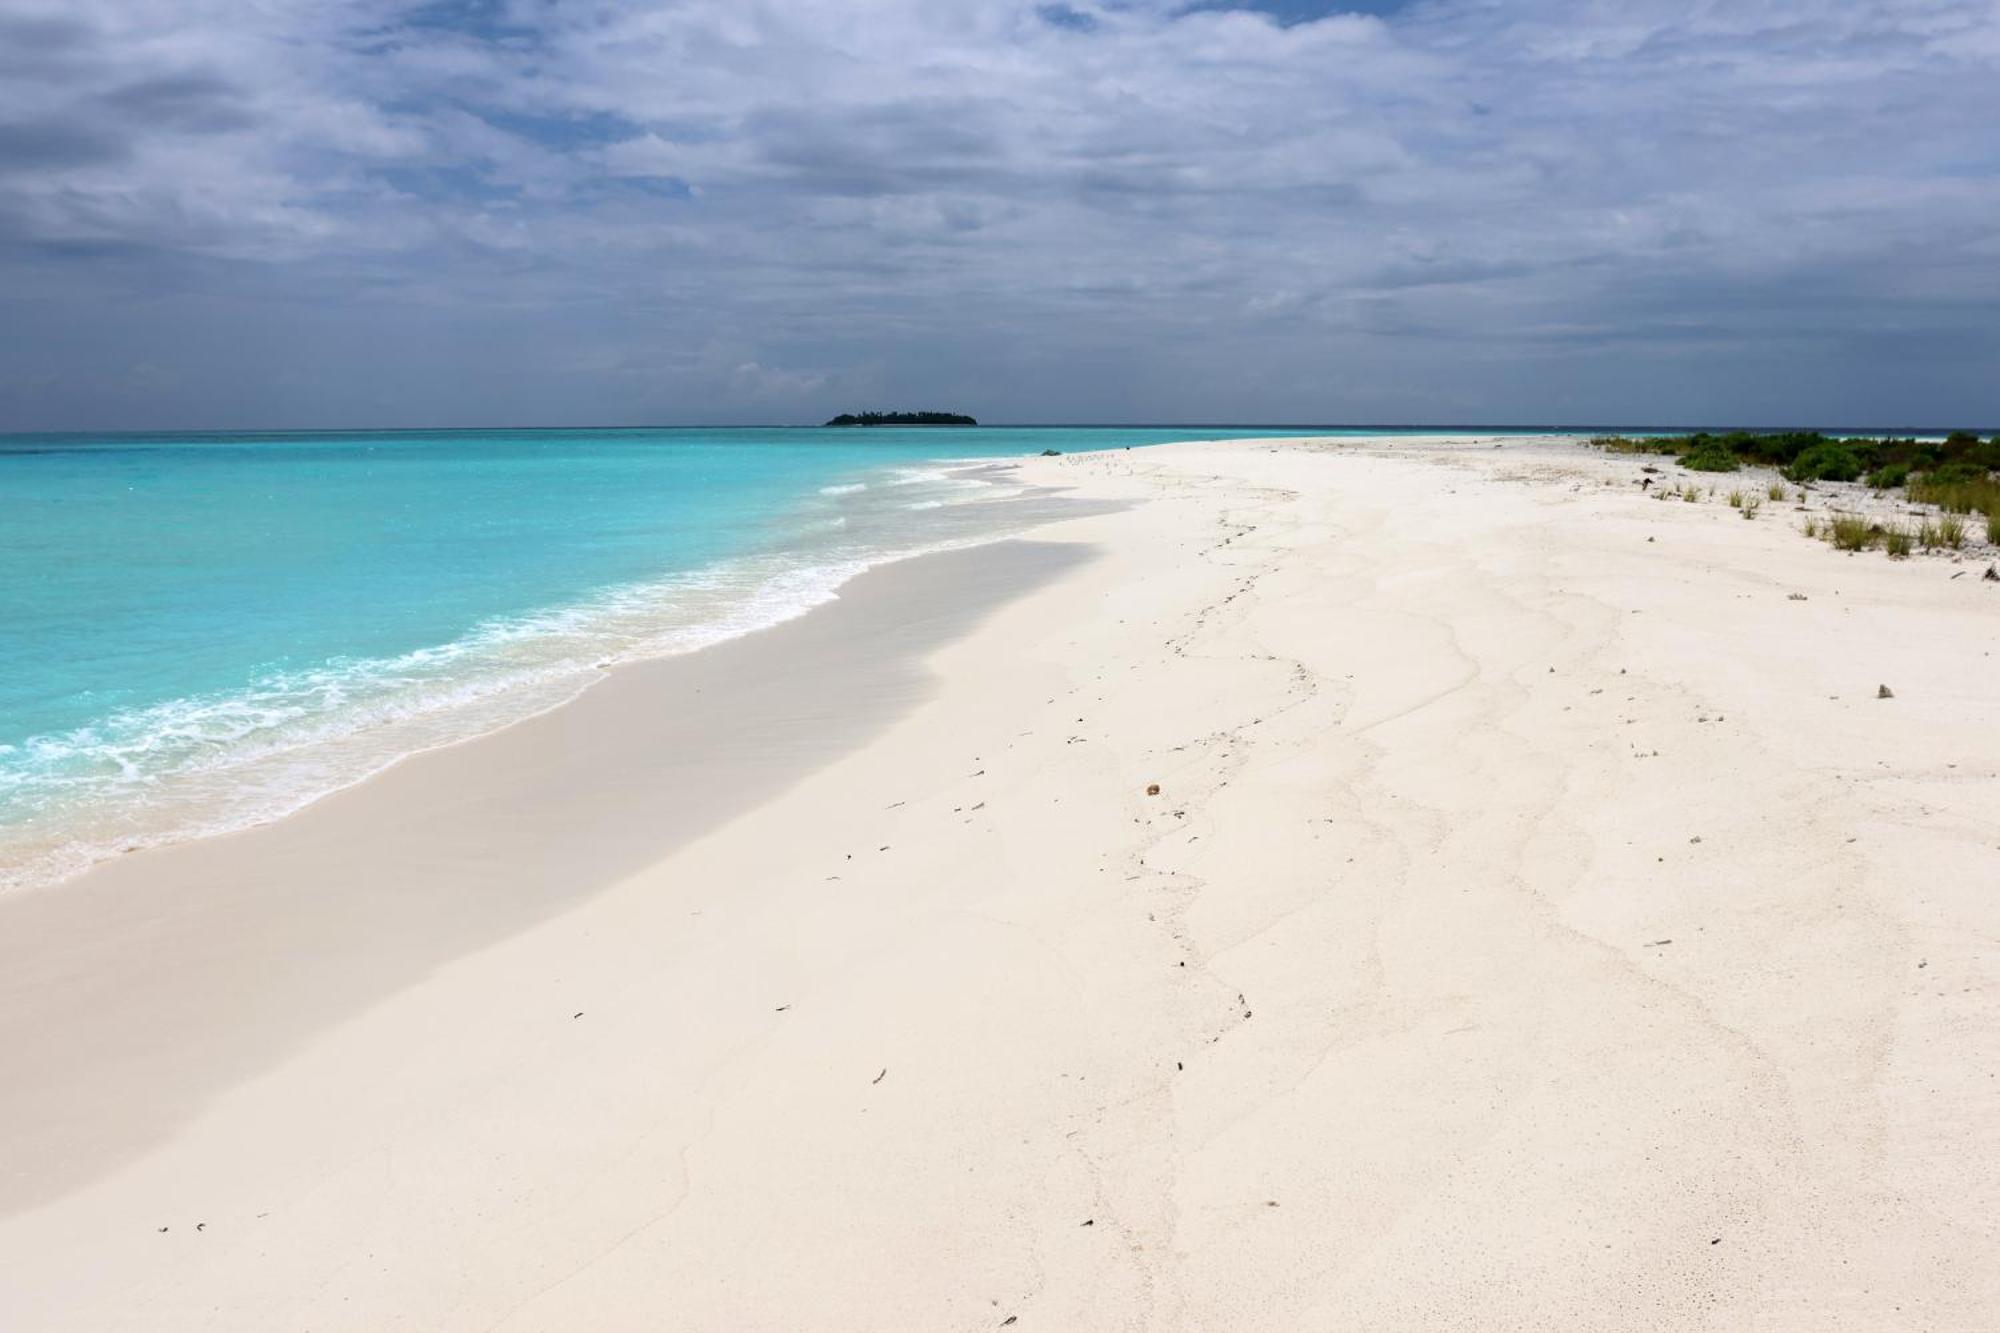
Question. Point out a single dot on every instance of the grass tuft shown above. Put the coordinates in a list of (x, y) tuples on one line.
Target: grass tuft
[(1899, 541), (1946, 532), (1850, 532), (1957, 494)]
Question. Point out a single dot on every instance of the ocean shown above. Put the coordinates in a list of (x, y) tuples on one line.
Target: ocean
[(202, 632)]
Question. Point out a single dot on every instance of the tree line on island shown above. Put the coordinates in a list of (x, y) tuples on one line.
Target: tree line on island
[(902, 419)]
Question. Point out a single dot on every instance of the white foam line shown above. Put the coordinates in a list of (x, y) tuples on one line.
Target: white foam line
[(325, 700)]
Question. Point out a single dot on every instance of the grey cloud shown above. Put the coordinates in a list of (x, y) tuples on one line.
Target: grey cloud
[(25, 38), (34, 146), (1532, 209), (194, 102)]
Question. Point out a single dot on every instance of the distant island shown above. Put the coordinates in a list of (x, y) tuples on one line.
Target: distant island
[(902, 419)]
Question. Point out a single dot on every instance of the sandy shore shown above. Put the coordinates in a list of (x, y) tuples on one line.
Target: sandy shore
[(1541, 923)]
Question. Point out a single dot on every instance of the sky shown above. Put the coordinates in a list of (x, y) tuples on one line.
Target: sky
[(223, 214)]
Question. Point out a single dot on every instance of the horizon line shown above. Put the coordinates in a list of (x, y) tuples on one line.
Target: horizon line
[(1550, 428)]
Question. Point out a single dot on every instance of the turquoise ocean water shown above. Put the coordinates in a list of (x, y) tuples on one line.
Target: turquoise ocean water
[(201, 632)]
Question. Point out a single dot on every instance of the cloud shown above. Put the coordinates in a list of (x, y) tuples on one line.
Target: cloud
[(1424, 211), (30, 146)]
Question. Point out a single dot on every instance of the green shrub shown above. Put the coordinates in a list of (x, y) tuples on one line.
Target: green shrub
[(1778, 448), (1889, 474), (1621, 444), (1826, 461), (1786, 449), (1710, 458), (1963, 469)]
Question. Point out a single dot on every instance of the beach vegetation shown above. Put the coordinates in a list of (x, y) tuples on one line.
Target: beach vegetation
[(1806, 456), (1809, 525), (1825, 461), (1626, 444), (1898, 540), (1954, 473), (1957, 490), (1950, 531), (1751, 504), (1775, 491), (1850, 532), (1710, 458)]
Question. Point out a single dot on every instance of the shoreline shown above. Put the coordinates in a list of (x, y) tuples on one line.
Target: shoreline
[(420, 832), (1540, 921), (49, 852)]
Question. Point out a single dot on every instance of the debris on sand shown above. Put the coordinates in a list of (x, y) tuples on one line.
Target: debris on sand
[(1884, 692)]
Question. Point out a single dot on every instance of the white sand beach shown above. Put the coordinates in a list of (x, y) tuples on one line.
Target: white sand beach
[(1542, 922)]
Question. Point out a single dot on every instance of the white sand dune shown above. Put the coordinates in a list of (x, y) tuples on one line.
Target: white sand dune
[(1541, 923)]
